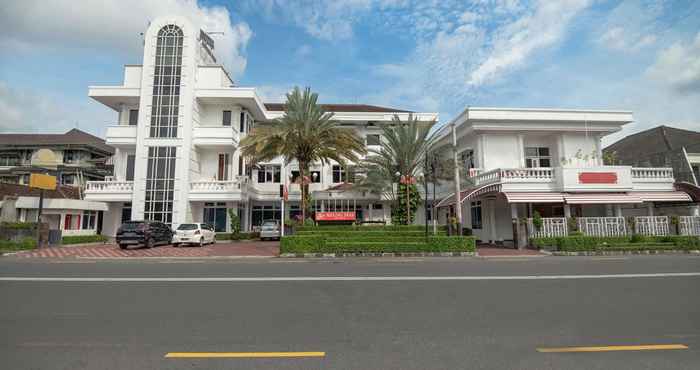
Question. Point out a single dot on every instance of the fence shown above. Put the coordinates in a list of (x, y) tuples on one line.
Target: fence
[(689, 225), (551, 227), (651, 225), (602, 226)]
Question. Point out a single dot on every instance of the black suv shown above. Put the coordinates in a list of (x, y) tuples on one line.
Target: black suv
[(148, 233)]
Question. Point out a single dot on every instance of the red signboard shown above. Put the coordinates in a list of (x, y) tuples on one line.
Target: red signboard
[(597, 178), (335, 216)]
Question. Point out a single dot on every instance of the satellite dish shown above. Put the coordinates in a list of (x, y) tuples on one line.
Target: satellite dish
[(44, 158)]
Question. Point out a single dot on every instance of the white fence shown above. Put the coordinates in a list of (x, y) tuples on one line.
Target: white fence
[(602, 226), (651, 225), (551, 227), (689, 225)]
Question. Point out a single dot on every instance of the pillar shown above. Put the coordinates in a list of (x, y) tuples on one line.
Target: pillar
[(650, 209), (567, 210), (695, 210), (618, 210), (516, 226), (608, 210), (492, 220)]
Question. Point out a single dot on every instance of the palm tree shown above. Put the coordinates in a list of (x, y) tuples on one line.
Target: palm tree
[(402, 151), (306, 133)]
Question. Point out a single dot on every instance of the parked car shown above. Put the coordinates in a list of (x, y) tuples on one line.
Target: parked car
[(270, 229), (148, 233), (196, 233)]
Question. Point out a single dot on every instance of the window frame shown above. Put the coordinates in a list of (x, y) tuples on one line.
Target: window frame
[(535, 160), (476, 212)]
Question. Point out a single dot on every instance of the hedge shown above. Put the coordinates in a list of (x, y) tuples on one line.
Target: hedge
[(10, 245), (82, 239), (18, 225), (239, 236), (320, 244), (373, 228), (635, 242), (365, 234)]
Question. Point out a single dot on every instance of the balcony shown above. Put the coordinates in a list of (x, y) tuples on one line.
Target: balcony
[(578, 179), (121, 136), (215, 136), (213, 190), (109, 191)]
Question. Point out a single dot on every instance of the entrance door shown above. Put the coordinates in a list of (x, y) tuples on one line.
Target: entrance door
[(215, 215)]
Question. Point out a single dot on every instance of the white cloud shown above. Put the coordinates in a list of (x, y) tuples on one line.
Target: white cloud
[(678, 67), (632, 25), (109, 25), (26, 110)]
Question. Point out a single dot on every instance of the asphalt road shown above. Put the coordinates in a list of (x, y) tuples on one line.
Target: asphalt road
[(492, 323)]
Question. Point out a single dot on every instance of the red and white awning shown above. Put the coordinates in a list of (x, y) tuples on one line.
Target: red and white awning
[(601, 198), (530, 197), (663, 196)]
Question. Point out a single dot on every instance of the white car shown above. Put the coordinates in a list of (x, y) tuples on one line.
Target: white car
[(199, 234)]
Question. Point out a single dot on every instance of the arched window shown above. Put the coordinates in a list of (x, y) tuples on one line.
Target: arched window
[(166, 82)]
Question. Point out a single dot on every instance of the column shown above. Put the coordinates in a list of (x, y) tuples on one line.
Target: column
[(516, 226), (650, 209), (567, 210), (695, 210), (618, 210), (492, 220), (608, 210)]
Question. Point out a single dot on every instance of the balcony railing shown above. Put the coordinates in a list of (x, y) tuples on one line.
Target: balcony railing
[(541, 174), (109, 187), (216, 186), (642, 174)]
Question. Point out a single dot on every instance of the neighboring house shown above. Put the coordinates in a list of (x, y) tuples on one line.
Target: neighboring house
[(180, 121), (551, 161), (62, 209), (80, 157), (661, 146)]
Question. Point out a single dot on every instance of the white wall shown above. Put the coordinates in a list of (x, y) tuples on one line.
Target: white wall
[(578, 144), (499, 151)]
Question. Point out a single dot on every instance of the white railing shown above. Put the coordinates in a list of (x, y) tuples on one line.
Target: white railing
[(651, 225), (216, 186), (602, 226), (689, 225), (652, 173), (109, 186), (541, 174), (551, 227)]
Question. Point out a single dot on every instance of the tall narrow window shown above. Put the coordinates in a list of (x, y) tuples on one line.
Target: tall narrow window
[(339, 174), (476, 215), (537, 157), (226, 118), (160, 183), (242, 122), (130, 160), (240, 165), (224, 164), (133, 117), (166, 82), (467, 158)]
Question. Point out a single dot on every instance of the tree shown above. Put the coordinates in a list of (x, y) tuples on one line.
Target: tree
[(402, 151), (305, 133)]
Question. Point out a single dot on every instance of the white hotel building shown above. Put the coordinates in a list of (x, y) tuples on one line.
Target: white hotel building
[(181, 119)]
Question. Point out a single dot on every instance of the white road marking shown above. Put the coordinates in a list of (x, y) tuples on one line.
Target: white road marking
[(342, 278)]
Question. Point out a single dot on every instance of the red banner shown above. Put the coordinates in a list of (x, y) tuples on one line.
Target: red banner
[(335, 216), (597, 178)]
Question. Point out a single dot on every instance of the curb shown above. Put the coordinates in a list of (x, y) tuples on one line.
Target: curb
[(623, 253), (347, 255)]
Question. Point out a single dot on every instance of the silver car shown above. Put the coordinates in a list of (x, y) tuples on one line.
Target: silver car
[(270, 229)]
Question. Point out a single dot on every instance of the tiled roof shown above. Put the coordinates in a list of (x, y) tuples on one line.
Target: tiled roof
[(72, 137), (61, 192), (655, 140), (363, 108)]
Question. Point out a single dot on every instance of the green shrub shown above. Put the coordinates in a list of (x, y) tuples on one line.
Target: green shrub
[(18, 225), (245, 236), (639, 242), (24, 244), (321, 244), (369, 228), (302, 244), (81, 239)]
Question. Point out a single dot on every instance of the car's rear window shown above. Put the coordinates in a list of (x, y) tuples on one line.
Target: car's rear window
[(187, 227), (269, 225), (131, 225)]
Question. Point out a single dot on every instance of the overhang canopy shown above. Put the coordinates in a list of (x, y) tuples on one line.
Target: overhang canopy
[(663, 196), (602, 198), (530, 197)]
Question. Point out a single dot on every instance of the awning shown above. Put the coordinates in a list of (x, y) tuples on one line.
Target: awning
[(601, 198), (663, 196), (470, 193), (529, 197)]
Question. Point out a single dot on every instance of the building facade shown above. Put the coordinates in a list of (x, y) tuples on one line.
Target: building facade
[(180, 119), (80, 157), (550, 162)]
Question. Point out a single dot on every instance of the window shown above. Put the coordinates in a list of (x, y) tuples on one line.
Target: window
[(696, 171), (226, 120), (224, 164), (133, 117), (68, 156), (130, 160), (9, 160), (240, 166), (24, 179), (215, 214), (260, 213), (89, 220), (71, 222), (476, 215), (126, 212), (67, 179), (377, 206), (160, 182), (242, 122), (315, 176), (537, 157), (467, 159), (166, 82), (269, 174), (339, 174), (373, 139)]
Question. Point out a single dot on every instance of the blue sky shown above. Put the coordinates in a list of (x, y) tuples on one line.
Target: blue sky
[(435, 56)]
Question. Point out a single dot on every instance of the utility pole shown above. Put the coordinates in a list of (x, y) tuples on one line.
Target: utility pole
[(458, 205)]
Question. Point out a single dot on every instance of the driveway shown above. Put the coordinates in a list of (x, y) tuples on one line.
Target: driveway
[(240, 249)]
